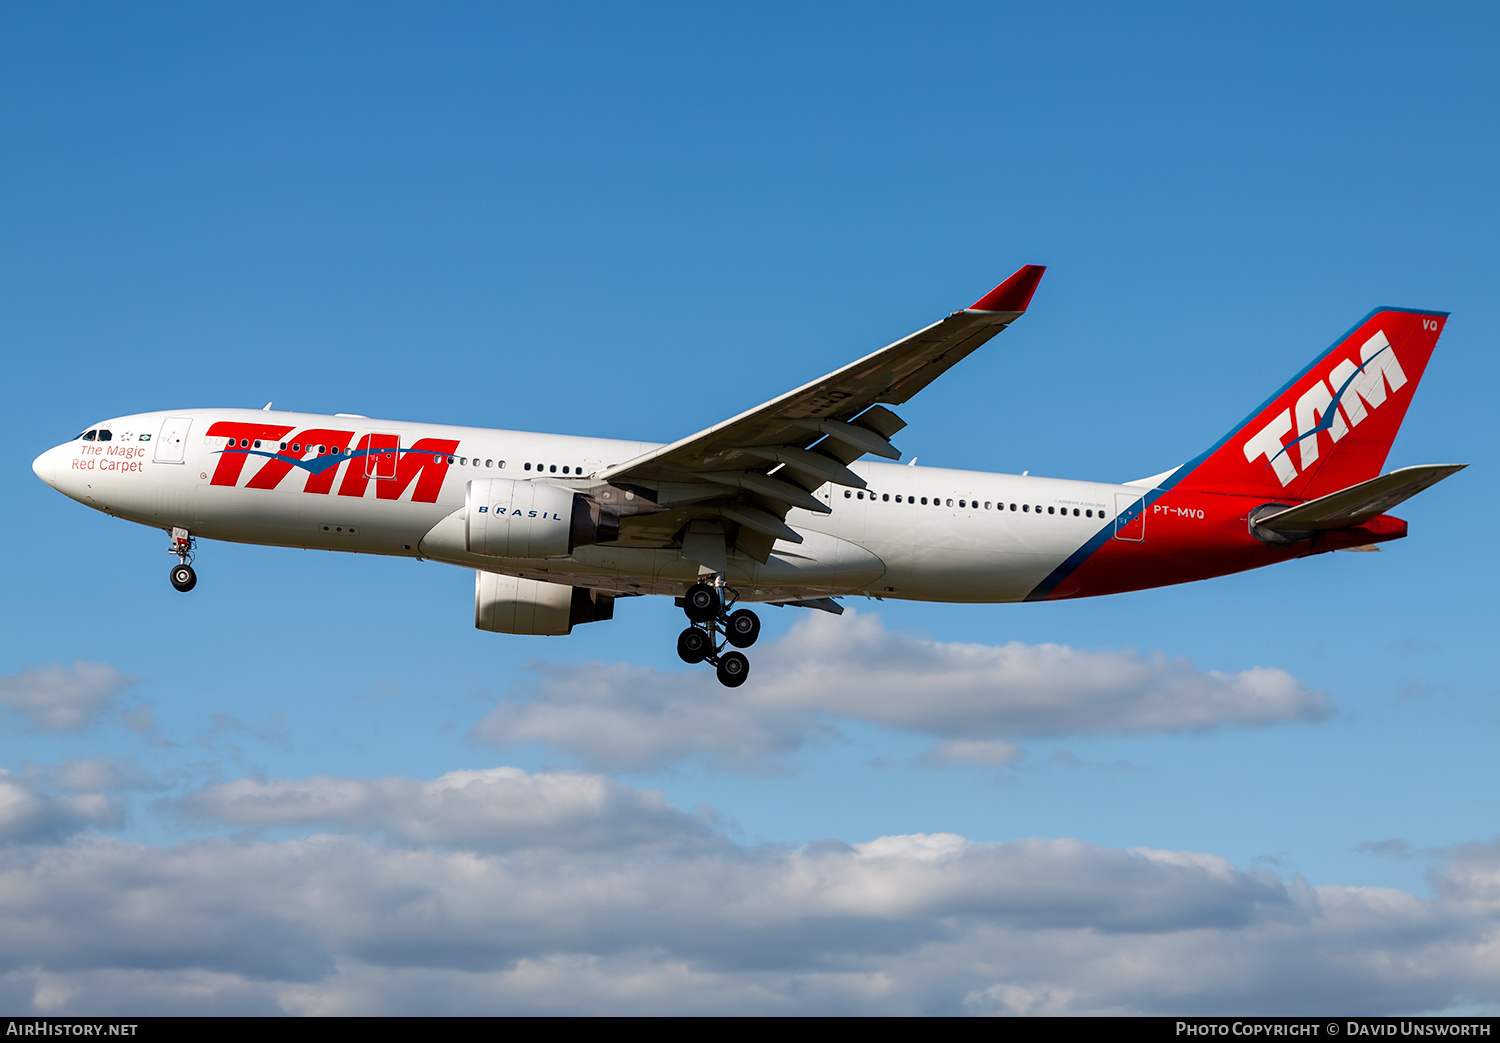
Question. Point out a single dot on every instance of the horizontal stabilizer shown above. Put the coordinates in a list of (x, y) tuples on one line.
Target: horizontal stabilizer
[(1358, 503)]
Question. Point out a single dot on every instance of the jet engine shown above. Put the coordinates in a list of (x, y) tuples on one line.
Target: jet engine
[(510, 605), (510, 519)]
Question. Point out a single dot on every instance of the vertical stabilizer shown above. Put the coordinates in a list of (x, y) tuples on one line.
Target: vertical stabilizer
[(1332, 426)]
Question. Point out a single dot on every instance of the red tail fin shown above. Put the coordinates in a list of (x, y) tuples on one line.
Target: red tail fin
[(1333, 425)]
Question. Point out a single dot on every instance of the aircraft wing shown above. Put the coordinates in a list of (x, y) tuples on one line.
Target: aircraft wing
[(749, 470), (1359, 503)]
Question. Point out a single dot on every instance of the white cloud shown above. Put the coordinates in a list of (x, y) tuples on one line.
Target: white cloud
[(93, 773), (993, 753), (63, 700), (897, 925), (629, 718), (1471, 877), (856, 668), (497, 809), (1393, 848), (28, 816), (972, 697)]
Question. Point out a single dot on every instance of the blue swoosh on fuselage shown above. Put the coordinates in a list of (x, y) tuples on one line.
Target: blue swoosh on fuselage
[(318, 464)]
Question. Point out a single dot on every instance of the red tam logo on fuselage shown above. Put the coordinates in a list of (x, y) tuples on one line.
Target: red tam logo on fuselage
[(320, 452)]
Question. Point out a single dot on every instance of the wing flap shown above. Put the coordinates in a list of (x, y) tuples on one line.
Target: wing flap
[(821, 604)]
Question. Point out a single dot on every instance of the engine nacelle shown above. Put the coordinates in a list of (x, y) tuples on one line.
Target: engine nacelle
[(510, 605), (511, 519)]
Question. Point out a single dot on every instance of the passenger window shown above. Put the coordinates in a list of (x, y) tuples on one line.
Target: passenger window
[(885, 497), (436, 458), (528, 467), (986, 505), (553, 468), (1103, 515), (898, 497), (565, 468), (296, 447), (489, 463), (1012, 506), (859, 495), (1075, 512), (283, 447), (450, 459), (848, 494), (502, 465), (1051, 510), (1026, 507), (1088, 514), (924, 501)]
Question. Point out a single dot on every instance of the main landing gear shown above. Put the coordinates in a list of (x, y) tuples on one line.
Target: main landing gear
[(182, 574), (708, 612)]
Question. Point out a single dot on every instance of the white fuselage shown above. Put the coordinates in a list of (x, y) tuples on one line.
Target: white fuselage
[(920, 533)]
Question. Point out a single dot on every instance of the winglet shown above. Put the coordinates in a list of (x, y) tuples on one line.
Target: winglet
[(1014, 294)]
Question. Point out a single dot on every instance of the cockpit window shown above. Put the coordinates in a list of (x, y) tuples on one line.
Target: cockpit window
[(104, 435), (88, 436)]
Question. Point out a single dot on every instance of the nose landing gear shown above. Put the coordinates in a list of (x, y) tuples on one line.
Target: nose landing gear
[(708, 612), (182, 575)]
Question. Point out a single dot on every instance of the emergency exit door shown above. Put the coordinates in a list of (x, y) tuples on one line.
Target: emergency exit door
[(383, 452)]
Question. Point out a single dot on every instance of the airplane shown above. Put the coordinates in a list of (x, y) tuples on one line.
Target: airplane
[(775, 505)]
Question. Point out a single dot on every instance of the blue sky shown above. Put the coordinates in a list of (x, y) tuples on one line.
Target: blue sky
[(634, 222)]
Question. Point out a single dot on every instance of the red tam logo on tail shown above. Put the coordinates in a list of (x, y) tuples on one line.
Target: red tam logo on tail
[(1320, 410), (1333, 425)]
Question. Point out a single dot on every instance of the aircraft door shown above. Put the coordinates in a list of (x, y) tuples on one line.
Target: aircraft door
[(171, 442), (1130, 517), (383, 451)]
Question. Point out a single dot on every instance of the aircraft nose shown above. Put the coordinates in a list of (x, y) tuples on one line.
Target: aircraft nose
[(47, 466)]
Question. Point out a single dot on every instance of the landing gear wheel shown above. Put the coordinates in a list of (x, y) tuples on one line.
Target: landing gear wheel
[(184, 578), (742, 628), (734, 668), (701, 603), (693, 645)]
